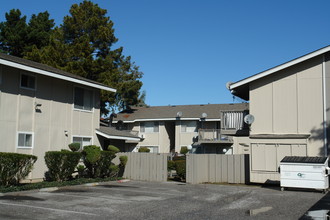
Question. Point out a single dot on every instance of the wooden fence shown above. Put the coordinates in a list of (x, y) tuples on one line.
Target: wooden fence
[(217, 168), (145, 166)]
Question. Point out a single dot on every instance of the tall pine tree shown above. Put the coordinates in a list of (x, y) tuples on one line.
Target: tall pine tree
[(83, 45)]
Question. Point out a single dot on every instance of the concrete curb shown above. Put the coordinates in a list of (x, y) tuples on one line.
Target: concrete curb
[(123, 181), (91, 184), (50, 189)]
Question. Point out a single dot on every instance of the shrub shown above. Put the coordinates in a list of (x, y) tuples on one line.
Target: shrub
[(15, 167), (144, 150), (123, 160), (91, 155), (113, 149), (103, 165), (61, 164), (184, 150), (74, 147), (180, 167), (81, 170), (170, 165), (114, 170)]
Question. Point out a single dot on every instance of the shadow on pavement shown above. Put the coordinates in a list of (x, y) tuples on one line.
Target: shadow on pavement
[(20, 198), (320, 210)]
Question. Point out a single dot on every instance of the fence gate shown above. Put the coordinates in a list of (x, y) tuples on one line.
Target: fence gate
[(145, 166), (217, 168)]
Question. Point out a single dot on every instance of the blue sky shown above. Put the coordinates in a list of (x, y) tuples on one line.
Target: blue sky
[(189, 49)]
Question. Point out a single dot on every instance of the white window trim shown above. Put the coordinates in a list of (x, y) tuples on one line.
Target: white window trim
[(24, 132), (28, 74), (93, 97)]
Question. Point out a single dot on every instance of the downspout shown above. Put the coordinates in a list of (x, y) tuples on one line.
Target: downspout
[(325, 140)]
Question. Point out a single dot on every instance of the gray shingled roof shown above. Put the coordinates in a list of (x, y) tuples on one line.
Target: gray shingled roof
[(188, 111), (114, 132), (47, 68)]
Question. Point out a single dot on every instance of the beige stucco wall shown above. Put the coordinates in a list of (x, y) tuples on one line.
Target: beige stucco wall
[(290, 102), (17, 114), (287, 102)]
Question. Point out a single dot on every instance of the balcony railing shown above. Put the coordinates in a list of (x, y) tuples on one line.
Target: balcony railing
[(212, 135)]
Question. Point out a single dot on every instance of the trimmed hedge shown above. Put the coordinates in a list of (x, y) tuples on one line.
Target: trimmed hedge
[(15, 167), (184, 150), (144, 150), (74, 147), (113, 149), (61, 164), (180, 167), (98, 162)]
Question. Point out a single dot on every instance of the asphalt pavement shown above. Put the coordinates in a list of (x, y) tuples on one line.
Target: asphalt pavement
[(169, 200)]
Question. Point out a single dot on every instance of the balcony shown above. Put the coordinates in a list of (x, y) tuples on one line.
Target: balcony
[(213, 136), (232, 123)]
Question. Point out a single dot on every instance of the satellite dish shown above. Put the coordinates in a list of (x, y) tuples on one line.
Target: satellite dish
[(228, 85), (179, 114), (249, 119), (204, 115)]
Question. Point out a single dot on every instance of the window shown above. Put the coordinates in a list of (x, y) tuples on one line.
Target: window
[(233, 120), (28, 81), (188, 126), (153, 149), (83, 141), (83, 99), (149, 127), (25, 140)]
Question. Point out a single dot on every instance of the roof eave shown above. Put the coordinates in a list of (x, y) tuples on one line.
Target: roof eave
[(55, 75), (234, 86)]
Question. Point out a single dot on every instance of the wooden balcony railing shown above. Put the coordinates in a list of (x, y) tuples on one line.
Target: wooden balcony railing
[(212, 135)]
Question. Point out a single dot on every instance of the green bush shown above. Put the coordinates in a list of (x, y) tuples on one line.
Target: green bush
[(123, 160), (91, 156), (81, 170), (114, 170), (180, 167), (184, 150), (74, 147), (15, 167), (61, 164), (170, 165), (144, 150), (103, 165), (113, 149)]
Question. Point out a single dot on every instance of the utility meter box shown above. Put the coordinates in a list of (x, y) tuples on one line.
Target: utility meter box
[(304, 172)]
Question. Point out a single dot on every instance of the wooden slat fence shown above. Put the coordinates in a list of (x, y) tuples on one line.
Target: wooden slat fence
[(217, 168), (145, 166)]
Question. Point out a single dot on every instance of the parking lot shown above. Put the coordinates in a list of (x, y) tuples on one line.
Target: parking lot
[(151, 200)]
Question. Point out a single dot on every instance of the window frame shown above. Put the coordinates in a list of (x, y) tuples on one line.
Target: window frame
[(155, 127), (92, 101), (28, 75), (25, 133), (185, 126)]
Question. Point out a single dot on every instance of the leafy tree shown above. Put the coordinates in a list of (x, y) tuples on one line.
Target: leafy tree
[(83, 45), (13, 33)]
